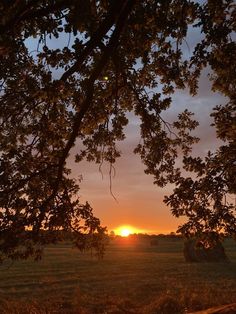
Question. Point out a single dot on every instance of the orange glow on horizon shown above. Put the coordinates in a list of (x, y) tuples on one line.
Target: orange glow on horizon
[(126, 230)]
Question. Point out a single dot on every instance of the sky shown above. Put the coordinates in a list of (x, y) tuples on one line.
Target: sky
[(138, 202)]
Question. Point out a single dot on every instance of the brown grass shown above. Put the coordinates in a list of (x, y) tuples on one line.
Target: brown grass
[(136, 279)]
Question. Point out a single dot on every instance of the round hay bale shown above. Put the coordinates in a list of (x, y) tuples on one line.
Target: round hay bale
[(154, 242), (197, 251)]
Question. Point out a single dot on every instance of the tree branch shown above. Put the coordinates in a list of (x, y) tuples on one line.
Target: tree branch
[(27, 13), (109, 50), (98, 69), (95, 40)]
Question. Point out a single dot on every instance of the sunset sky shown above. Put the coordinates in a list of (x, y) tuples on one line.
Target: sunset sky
[(139, 202)]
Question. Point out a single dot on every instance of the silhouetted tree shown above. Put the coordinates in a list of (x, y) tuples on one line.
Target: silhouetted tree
[(206, 200), (95, 61)]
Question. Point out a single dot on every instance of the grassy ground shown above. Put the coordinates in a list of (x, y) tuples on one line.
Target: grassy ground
[(130, 279)]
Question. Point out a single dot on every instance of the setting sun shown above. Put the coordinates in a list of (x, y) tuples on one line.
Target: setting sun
[(125, 231)]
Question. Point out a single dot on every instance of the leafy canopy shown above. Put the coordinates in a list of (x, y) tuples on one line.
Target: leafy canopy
[(95, 61)]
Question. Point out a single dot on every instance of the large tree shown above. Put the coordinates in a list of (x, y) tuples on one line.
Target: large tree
[(94, 62)]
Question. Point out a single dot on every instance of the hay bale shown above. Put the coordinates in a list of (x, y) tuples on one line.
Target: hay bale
[(197, 251), (154, 242)]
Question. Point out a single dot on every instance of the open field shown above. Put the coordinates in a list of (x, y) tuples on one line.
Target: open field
[(130, 279)]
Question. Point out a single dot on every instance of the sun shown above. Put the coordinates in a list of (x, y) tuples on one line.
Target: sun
[(125, 231)]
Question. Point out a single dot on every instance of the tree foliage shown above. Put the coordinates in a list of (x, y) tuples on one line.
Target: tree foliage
[(95, 61), (206, 198)]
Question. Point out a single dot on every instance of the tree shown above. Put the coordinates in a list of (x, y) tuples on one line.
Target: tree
[(108, 56), (206, 200)]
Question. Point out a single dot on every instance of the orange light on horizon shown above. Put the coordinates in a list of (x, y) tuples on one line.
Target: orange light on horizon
[(126, 230)]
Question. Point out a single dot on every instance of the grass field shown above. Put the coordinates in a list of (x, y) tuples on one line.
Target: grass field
[(130, 279)]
